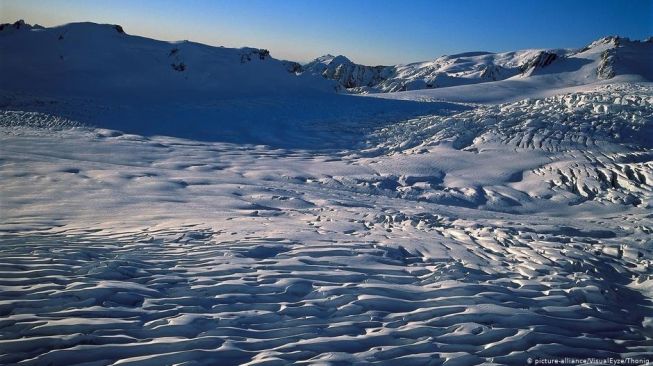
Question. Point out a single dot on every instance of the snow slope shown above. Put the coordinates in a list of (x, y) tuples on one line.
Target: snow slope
[(102, 60), (301, 226)]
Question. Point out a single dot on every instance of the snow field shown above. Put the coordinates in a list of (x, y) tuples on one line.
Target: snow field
[(449, 239)]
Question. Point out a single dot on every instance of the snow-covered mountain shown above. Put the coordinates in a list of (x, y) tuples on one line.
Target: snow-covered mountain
[(348, 74), (606, 57), (101, 59)]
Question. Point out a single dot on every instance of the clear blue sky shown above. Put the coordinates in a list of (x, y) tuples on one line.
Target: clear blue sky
[(367, 31)]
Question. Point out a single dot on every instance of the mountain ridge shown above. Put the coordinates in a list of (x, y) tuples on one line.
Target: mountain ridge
[(102, 59), (464, 68)]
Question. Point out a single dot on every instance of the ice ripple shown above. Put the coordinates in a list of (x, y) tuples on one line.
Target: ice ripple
[(184, 298)]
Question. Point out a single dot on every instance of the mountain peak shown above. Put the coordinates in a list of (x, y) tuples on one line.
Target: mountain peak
[(608, 40), (18, 25), (329, 58), (340, 59)]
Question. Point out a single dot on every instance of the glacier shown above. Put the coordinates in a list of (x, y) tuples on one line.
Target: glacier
[(241, 209)]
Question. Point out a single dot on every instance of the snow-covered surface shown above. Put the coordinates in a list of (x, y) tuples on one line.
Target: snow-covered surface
[(303, 226)]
